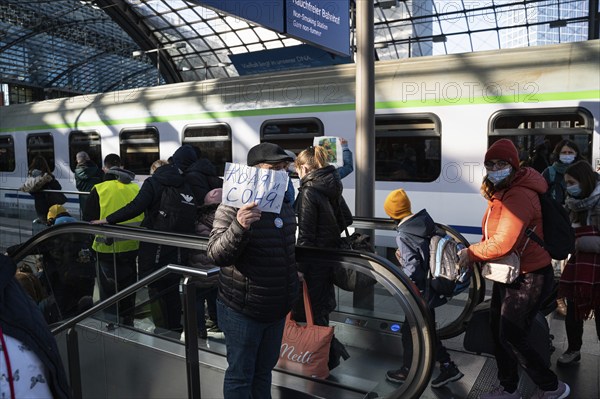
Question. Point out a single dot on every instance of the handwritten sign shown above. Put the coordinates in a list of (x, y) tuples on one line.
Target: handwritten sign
[(333, 145), (244, 184)]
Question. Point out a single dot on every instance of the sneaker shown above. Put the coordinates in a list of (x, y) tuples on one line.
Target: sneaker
[(398, 376), (447, 374), (561, 392), (569, 357), (201, 335), (210, 324), (215, 332), (500, 393)]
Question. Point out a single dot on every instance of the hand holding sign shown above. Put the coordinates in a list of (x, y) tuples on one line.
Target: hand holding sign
[(248, 214)]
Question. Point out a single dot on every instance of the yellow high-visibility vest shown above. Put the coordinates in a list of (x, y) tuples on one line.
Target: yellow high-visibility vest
[(114, 195)]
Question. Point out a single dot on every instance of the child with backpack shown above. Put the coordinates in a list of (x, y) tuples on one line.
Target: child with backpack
[(414, 233)]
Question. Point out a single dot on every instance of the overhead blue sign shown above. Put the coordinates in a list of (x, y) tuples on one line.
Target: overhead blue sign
[(324, 23), (283, 59), (267, 13)]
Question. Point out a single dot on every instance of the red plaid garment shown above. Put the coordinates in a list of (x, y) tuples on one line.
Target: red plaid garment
[(580, 281)]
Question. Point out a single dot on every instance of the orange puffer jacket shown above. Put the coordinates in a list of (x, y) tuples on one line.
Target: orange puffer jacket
[(509, 213)]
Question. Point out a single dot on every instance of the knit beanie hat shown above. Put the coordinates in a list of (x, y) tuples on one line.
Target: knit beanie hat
[(214, 196), (55, 211), (504, 150), (397, 205)]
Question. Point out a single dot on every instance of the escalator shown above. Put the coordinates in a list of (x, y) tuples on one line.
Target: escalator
[(106, 358)]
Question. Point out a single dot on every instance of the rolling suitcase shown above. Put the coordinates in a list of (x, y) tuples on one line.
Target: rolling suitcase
[(478, 335)]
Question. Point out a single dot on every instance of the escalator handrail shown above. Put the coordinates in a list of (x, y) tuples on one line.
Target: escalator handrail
[(380, 267), (168, 269)]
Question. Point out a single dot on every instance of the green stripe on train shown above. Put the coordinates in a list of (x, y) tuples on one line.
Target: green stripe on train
[(521, 98)]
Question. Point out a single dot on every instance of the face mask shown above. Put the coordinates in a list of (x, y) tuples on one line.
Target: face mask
[(574, 190), (496, 176), (292, 167), (566, 158)]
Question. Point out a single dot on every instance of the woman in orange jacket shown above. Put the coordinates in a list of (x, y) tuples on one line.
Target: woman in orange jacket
[(513, 206)]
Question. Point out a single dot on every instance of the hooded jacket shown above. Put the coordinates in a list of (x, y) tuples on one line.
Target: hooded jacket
[(510, 211), (148, 199), (322, 213), (413, 238), (20, 318), (87, 175), (202, 177)]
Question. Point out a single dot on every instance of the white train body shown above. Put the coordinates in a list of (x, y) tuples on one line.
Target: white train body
[(458, 101)]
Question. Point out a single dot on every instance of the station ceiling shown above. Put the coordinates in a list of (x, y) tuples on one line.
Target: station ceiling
[(94, 46)]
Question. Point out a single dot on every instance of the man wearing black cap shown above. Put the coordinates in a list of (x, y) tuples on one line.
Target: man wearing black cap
[(258, 282)]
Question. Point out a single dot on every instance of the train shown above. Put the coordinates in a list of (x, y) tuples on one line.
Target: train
[(435, 117)]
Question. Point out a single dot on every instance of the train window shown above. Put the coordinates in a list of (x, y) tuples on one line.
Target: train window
[(41, 144), (84, 141), (292, 134), (407, 147), (7, 154), (536, 132), (214, 142), (139, 149)]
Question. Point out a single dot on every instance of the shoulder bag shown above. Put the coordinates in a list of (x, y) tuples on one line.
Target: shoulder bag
[(347, 279), (305, 348), (506, 269)]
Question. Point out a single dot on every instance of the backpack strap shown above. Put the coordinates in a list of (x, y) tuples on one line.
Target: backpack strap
[(551, 174), (531, 234)]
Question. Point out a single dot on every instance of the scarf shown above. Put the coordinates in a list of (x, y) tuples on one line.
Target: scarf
[(580, 281), (584, 208), (560, 167)]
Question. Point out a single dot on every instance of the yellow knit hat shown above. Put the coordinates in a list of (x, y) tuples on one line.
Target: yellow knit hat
[(397, 205), (55, 210)]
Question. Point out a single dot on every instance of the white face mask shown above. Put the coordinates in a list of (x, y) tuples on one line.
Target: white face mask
[(496, 176), (566, 158)]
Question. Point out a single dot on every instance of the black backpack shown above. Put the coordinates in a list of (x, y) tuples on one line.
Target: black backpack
[(559, 236), (177, 210), (446, 277)]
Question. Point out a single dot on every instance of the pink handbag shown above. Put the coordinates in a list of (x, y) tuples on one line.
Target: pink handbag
[(305, 348)]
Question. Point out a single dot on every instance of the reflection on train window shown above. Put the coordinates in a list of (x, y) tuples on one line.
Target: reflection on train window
[(84, 141), (536, 132), (213, 141), (407, 147), (294, 134), (41, 144), (7, 154), (139, 149)]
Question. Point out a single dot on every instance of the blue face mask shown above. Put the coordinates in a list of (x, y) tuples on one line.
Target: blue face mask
[(566, 158), (496, 176), (574, 190)]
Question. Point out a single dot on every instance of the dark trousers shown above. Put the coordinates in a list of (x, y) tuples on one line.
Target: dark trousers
[(441, 354), (117, 271), (574, 327), (166, 301), (512, 310)]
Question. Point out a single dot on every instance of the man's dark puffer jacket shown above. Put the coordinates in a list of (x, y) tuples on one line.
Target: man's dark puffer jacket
[(258, 275)]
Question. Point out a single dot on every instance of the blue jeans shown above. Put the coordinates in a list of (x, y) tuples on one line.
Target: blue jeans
[(252, 351)]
